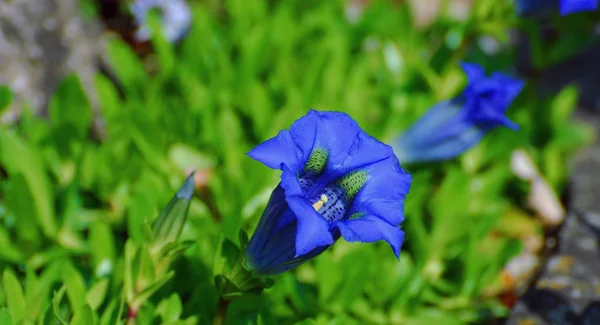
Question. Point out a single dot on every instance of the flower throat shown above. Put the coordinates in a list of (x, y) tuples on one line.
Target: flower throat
[(333, 201)]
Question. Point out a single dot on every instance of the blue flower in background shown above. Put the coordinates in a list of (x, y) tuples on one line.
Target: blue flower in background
[(528, 7), (573, 6), (336, 181), (176, 18), (451, 127)]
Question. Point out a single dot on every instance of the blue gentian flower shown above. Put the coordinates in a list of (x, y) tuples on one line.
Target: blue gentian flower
[(336, 181), (529, 7), (176, 18), (573, 6), (451, 127)]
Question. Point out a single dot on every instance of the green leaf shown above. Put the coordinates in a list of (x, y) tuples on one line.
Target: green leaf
[(554, 167), (147, 272), (76, 291), (110, 315), (572, 135), (15, 299), (170, 309), (97, 293), (69, 107), (563, 105), (330, 277), (89, 9), (432, 317), (18, 201), (131, 269), (30, 165), (108, 97), (83, 316), (163, 49), (56, 304), (149, 290), (101, 241), (364, 310), (37, 291), (9, 252), (126, 65), (226, 256), (6, 97), (5, 318)]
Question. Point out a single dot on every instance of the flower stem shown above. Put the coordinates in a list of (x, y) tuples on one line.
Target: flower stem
[(132, 315), (221, 311)]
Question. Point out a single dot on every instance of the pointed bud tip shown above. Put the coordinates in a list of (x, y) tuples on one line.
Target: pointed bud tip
[(187, 189)]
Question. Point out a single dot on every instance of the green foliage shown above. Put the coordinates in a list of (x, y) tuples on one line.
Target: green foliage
[(5, 97), (80, 190)]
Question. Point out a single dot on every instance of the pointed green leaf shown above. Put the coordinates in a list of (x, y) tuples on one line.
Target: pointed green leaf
[(101, 241), (30, 164), (170, 309), (95, 296), (111, 313), (14, 295), (9, 252), (563, 105), (108, 97), (70, 107), (5, 318), (126, 65), (6, 97), (146, 293), (75, 286), (146, 270), (83, 316), (56, 304), (131, 269)]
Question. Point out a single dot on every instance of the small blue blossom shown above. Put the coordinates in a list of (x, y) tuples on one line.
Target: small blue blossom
[(451, 127), (573, 6), (529, 7), (176, 18), (336, 181)]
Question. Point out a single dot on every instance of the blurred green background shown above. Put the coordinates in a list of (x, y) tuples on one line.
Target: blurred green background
[(76, 184)]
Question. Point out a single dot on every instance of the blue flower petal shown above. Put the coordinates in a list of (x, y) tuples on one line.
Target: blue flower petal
[(378, 198), (473, 71), (304, 133), (443, 132), (337, 133), (313, 229), (277, 151), (574, 6), (512, 87), (369, 229), (365, 151)]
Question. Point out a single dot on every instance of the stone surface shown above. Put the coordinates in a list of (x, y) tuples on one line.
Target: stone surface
[(568, 289), (41, 41)]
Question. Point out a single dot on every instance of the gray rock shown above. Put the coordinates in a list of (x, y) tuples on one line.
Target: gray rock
[(568, 289), (41, 41)]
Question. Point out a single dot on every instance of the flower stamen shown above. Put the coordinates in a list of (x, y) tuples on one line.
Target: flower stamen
[(319, 204)]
